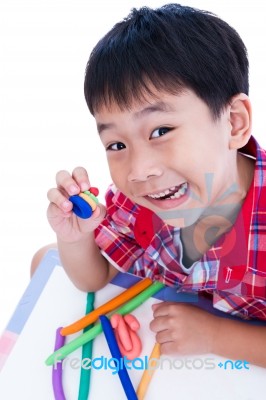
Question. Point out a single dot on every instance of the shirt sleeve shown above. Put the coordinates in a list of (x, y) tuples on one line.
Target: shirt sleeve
[(245, 307)]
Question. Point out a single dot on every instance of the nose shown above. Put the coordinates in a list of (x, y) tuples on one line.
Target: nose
[(143, 166)]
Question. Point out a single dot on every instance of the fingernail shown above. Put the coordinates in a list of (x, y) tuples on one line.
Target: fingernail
[(66, 205)]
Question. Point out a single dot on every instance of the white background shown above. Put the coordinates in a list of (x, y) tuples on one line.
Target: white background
[(44, 122)]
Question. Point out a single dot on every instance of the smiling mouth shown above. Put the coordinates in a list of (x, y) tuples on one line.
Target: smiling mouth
[(173, 192)]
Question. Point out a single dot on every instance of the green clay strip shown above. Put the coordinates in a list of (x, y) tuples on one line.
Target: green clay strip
[(97, 329)]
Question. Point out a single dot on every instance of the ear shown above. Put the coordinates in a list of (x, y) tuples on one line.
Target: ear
[(240, 115)]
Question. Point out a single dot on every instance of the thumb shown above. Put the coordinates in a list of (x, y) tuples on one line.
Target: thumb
[(99, 213)]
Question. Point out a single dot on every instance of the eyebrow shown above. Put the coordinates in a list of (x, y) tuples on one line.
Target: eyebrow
[(159, 106), (102, 127)]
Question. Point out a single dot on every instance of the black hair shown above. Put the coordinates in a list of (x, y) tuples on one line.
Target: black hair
[(169, 49)]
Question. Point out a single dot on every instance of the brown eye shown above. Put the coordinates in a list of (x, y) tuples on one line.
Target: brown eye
[(116, 146), (160, 132)]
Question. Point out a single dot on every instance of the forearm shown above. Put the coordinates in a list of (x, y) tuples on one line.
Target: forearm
[(84, 263), (240, 341)]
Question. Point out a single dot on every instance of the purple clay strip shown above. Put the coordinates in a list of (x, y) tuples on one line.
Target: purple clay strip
[(57, 369)]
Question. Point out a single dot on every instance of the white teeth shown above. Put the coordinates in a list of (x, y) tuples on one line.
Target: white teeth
[(176, 195), (182, 190)]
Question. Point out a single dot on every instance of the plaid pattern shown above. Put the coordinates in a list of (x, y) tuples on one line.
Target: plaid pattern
[(233, 270)]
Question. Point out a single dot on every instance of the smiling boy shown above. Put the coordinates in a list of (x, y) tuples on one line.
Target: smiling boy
[(169, 92)]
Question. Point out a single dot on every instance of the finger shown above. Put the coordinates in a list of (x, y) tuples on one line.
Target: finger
[(55, 215), (164, 336), (158, 324), (164, 308), (99, 213), (155, 306), (66, 182), (169, 348), (80, 175), (57, 198)]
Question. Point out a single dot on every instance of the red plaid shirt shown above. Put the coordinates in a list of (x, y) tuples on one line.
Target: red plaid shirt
[(136, 240)]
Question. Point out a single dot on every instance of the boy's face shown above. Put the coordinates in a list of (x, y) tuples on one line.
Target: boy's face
[(168, 154)]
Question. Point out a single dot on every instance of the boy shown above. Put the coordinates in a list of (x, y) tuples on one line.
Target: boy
[(169, 92)]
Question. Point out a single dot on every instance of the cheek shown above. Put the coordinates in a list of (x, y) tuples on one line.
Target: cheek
[(118, 174), (184, 160)]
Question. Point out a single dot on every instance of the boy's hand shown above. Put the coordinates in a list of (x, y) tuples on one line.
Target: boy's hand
[(183, 328), (65, 223)]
